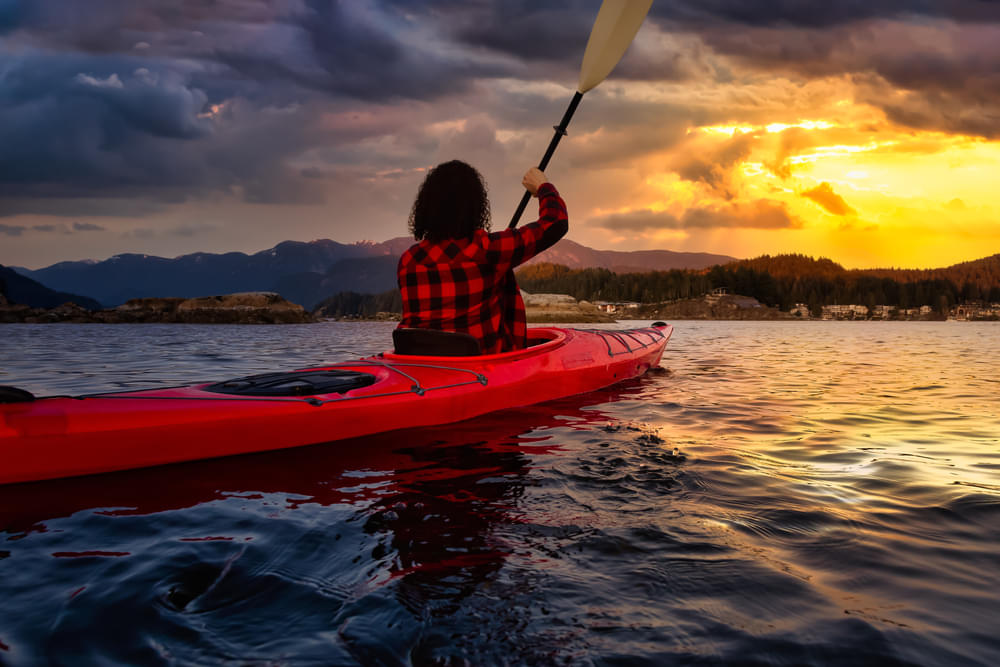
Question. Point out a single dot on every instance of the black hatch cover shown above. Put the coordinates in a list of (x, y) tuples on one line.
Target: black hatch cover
[(294, 383)]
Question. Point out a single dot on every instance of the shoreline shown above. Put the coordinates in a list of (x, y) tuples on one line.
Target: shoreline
[(271, 308)]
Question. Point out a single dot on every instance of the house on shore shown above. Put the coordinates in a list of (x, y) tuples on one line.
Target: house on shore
[(975, 311)]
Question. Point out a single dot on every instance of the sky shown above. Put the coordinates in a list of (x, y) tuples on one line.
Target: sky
[(867, 131)]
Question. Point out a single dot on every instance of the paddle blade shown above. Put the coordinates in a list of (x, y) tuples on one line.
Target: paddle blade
[(615, 27)]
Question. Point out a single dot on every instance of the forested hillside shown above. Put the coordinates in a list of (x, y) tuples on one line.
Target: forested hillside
[(781, 281), (974, 279), (605, 285), (984, 274)]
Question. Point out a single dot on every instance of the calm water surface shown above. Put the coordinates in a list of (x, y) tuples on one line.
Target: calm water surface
[(776, 493)]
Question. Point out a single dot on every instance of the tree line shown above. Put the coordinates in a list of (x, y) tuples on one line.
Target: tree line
[(817, 291), (781, 291), (604, 285), (780, 282)]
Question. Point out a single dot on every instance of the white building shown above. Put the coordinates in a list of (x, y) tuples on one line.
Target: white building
[(881, 312), (845, 312)]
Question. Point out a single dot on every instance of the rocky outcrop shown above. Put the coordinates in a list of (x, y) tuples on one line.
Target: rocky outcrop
[(242, 308), (728, 307), (381, 316), (561, 308), (11, 313)]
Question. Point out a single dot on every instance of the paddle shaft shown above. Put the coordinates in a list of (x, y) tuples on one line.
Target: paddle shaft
[(560, 131)]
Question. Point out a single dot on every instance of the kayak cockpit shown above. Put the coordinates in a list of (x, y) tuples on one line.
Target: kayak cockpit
[(429, 343), (434, 343)]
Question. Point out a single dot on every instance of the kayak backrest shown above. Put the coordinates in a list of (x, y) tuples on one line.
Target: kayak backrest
[(434, 343)]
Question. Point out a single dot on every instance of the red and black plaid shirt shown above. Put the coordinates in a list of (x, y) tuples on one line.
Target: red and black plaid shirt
[(468, 285)]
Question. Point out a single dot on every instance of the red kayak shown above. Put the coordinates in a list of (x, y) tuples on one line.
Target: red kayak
[(54, 437)]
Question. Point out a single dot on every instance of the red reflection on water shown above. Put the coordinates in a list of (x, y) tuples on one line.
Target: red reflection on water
[(214, 538), (88, 554)]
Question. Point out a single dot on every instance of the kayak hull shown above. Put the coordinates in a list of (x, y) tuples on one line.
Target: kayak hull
[(69, 436)]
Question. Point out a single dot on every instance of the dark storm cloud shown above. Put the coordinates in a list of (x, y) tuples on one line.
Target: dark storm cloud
[(17, 230), (164, 26), (76, 123), (111, 100), (88, 127), (548, 37), (357, 50), (817, 13), (12, 230), (87, 227), (369, 60), (555, 33), (528, 29)]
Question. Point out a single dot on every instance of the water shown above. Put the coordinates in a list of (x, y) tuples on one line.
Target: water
[(778, 493)]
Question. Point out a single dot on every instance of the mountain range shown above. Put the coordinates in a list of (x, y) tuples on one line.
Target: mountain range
[(302, 272), (576, 256), (309, 272)]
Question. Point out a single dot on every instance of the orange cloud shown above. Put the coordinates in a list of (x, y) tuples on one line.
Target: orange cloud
[(824, 195)]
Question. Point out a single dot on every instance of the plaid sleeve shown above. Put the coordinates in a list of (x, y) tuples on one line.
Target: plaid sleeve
[(512, 247)]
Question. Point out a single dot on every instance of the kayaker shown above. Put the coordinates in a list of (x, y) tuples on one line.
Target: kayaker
[(459, 276)]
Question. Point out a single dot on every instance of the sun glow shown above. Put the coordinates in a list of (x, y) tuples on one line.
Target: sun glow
[(805, 125), (728, 130), (851, 186), (825, 152), (771, 128)]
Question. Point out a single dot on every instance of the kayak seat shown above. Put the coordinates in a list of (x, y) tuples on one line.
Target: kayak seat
[(15, 395), (434, 343)]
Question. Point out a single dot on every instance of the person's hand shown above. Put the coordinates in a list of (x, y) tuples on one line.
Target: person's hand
[(533, 179)]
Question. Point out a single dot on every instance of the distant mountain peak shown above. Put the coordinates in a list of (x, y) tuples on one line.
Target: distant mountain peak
[(578, 256), (20, 289)]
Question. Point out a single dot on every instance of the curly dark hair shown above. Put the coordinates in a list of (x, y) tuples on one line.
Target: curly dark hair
[(451, 204)]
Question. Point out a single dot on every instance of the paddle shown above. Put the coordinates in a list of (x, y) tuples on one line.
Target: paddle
[(613, 31)]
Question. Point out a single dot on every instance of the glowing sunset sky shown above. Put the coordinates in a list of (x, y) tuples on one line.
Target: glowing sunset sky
[(867, 132)]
